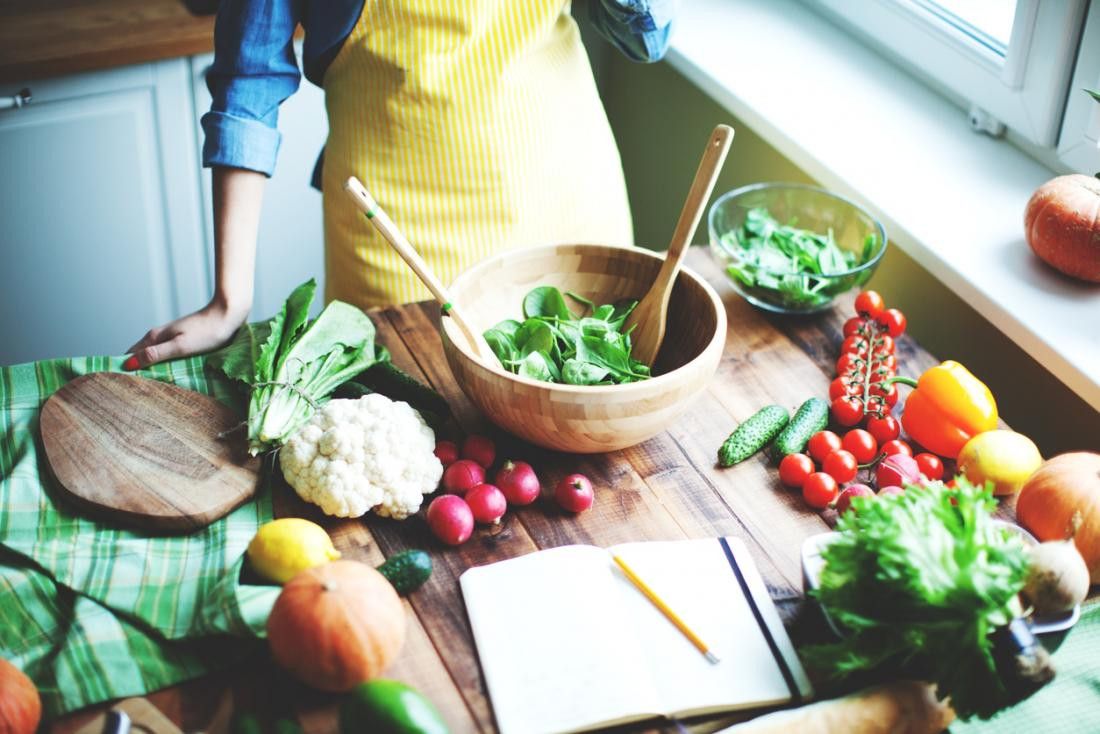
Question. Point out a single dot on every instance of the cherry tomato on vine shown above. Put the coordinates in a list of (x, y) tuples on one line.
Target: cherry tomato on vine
[(841, 465), (821, 444), (886, 361), (819, 490), (861, 444), (897, 446), (794, 468), (843, 386), (856, 344), (847, 411), (894, 321), (884, 345), (854, 325), (848, 361), (888, 393), (930, 465), (881, 373), (870, 304), (884, 429)]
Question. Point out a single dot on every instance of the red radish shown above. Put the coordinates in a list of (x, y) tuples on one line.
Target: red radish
[(480, 449), (844, 501), (889, 490), (574, 493), (451, 519), (462, 476), (519, 482), (487, 503), (899, 469), (446, 452)]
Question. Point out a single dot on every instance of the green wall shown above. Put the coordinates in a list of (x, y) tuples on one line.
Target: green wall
[(661, 121)]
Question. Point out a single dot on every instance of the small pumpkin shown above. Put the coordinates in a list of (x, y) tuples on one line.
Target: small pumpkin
[(1063, 485), (336, 625), (1062, 225), (20, 706)]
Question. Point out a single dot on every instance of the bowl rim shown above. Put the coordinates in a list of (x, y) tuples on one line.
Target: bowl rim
[(715, 242), (717, 341)]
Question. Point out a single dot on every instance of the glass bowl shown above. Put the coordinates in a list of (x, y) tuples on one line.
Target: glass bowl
[(776, 269)]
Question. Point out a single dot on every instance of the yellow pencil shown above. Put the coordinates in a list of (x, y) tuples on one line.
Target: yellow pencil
[(665, 609)]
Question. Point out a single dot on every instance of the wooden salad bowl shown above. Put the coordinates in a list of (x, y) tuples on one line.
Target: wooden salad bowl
[(585, 419)]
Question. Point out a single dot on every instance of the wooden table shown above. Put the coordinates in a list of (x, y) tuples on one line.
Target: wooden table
[(664, 489)]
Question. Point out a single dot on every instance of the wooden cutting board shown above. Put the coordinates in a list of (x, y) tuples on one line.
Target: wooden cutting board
[(146, 454)]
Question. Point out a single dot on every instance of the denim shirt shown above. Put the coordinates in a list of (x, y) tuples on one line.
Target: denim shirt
[(255, 68)]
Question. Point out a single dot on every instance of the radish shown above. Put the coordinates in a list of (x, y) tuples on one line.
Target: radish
[(890, 489), (480, 449), (574, 493), (446, 452), (462, 476), (519, 482), (451, 519), (844, 501), (898, 470), (487, 503)]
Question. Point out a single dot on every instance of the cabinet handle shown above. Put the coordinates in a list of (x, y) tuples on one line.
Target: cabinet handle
[(14, 102)]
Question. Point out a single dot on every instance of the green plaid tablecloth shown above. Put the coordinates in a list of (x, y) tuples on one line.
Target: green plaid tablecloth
[(91, 612)]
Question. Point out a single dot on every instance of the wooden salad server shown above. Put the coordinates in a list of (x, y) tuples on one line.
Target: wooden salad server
[(381, 221), (649, 316)]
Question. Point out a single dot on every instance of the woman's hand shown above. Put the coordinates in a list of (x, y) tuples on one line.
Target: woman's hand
[(208, 328)]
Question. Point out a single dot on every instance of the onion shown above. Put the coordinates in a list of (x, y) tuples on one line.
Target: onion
[(1058, 578)]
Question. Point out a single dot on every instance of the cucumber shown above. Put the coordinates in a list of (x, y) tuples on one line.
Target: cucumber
[(383, 706), (752, 435), (812, 416), (396, 384), (407, 570)]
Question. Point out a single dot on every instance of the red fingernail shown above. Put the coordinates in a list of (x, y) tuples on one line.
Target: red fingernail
[(131, 364)]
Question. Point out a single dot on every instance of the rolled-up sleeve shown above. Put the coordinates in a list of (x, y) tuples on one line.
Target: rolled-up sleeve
[(641, 29), (254, 70)]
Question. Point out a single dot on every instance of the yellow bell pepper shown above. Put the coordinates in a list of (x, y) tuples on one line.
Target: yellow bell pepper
[(948, 407)]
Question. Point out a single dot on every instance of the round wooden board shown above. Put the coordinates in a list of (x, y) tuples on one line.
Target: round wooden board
[(145, 454)]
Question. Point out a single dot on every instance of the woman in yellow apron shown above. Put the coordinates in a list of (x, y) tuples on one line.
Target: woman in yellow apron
[(476, 125)]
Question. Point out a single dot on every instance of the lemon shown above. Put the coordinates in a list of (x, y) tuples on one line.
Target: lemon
[(1005, 458), (282, 548)]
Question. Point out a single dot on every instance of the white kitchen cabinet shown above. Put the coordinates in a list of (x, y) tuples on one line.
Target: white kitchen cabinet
[(100, 228), (290, 244)]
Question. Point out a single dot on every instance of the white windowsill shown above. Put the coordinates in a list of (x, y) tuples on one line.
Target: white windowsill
[(951, 199)]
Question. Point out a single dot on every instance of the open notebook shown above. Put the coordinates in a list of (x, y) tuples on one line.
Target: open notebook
[(568, 644)]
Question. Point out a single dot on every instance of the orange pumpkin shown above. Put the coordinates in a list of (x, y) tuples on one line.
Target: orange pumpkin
[(1062, 225), (1063, 485), (336, 625), (20, 707)]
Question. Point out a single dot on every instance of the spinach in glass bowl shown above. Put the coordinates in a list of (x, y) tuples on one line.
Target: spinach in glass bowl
[(793, 248)]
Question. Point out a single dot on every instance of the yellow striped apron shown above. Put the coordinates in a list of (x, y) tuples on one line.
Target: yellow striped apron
[(477, 127)]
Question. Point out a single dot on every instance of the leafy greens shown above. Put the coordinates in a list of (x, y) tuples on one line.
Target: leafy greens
[(920, 583), (798, 268), (291, 364), (552, 344)]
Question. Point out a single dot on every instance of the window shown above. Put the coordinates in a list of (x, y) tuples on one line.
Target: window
[(1010, 61)]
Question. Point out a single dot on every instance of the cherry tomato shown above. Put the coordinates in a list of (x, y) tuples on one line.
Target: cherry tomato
[(887, 361), (819, 490), (882, 373), (847, 411), (870, 304), (821, 444), (884, 429), (842, 386), (894, 321), (896, 447), (930, 466), (861, 444), (841, 465), (848, 361), (888, 393), (875, 406), (855, 325), (884, 345), (794, 468), (857, 345)]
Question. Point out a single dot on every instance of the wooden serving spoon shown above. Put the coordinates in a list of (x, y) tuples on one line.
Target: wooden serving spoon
[(650, 315), (381, 221)]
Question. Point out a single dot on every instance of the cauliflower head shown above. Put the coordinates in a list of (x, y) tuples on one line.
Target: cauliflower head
[(358, 455)]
